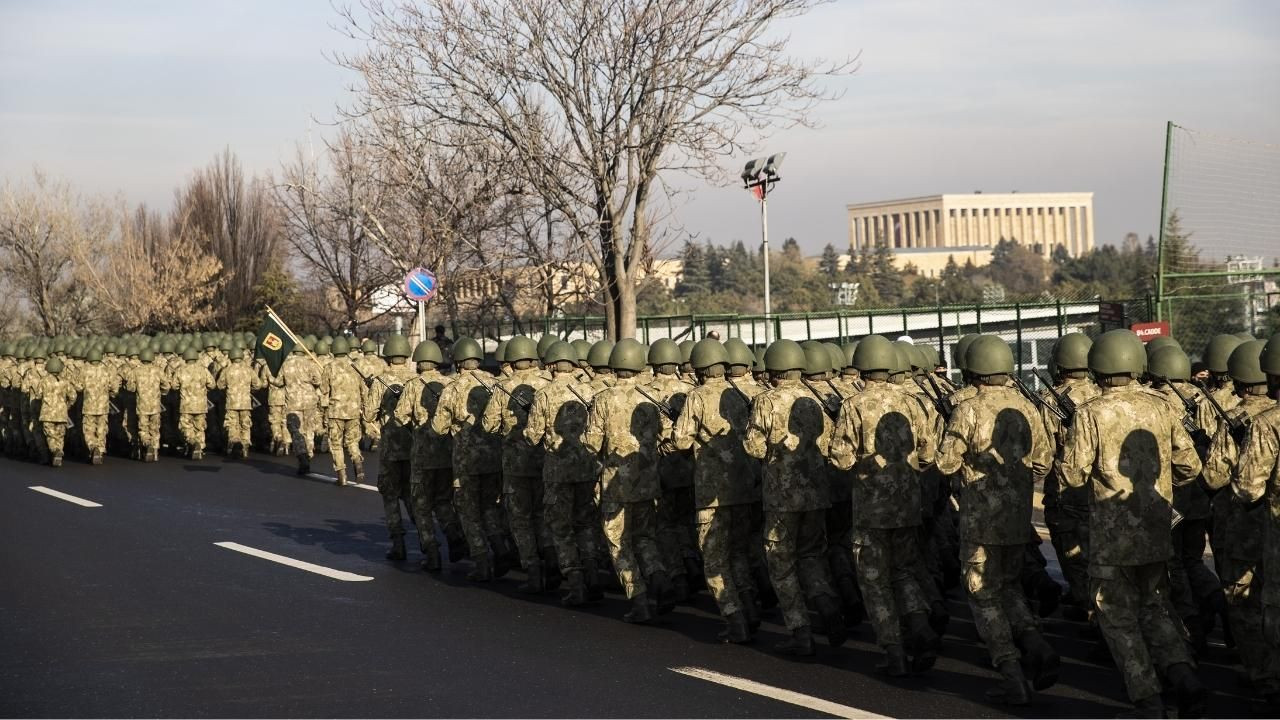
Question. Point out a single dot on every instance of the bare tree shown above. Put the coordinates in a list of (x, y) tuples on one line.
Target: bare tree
[(240, 225), (41, 225), (594, 98)]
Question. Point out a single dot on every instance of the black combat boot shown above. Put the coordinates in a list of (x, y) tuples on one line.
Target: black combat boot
[(483, 570), (457, 543), (56, 460), (342, 477), (197, 454), (1191, 692), (1148, 707), (894, 663), (693, 571), (97, 458), (736, 631), (922, 641), (551, 568), (501, 555), (577, 589), (1039, 659), (660, 591), (747, 599), (680, 588), (397, 553), (536, 582), (430, 558), (1048, 596), (764, 586), (591, 575), (640, 612), (359, 474), (1012, 688), (939, 617), (851, 600), (800, 643), (832, 619), (304, 466)]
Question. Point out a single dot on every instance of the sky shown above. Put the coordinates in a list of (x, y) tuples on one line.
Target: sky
[(129, 97)]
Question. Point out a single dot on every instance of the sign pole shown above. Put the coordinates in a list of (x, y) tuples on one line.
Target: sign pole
[(764, 234), (422, 321)]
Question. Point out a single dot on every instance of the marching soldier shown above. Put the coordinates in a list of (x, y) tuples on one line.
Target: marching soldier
[(675, 468), (193, 383), (53, 395), (300, 378), (148, 383), (98, 383), (342, 396), (395, 448), (237, 381)]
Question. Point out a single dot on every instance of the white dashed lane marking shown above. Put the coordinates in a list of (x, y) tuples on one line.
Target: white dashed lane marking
[(332, 479), (776, 693), (63, 496), (299, 564)]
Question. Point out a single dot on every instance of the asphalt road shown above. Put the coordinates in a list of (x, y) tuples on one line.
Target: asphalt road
[(131, 609)]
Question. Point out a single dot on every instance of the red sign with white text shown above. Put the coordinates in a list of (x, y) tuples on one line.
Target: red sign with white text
[(1147, 332)]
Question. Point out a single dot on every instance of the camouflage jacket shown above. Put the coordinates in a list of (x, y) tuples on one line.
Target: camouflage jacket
[(998, 444), (148, 382), (193, 383), (712, 426), (239, 381), (300, 378), (879, 437), (624, 429), (342, 391), (370, 366), (98, 383), (1129, 450), (789, 431), (1226, 397), (417, 405), (55, 395), (506, 416), (675, 468), (1238, 531), (1257, 480), (388, 387), (458, 413), (273, 383), (1078, 391), (557, 422), (1191, 500)]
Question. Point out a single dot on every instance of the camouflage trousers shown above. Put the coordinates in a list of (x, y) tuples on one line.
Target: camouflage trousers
[(840, 542), (276, 421), (522, 497), (94, 430), (393, 485), (238, 425), (724, 538), (676, 531), (993, 586), (431, 491), (479, 510), (1191, 582), (148, 434), (1132, 607), (372, 428), (302, 433), (572, 518), (1242, 584), (630, 530), (795, 546), (344, 440), (885, 558), (53, 436), (1069, 532), (15, 442), (192, 427)]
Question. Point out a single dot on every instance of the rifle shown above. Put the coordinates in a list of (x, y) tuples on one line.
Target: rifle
[(734, 385), (1190, 421), (1065, 404), (524, 404), (665, 408), (1036, 399), (831, 412), (1235, 425), (368, 381), (585, 402), (940, 404), (945, 408)]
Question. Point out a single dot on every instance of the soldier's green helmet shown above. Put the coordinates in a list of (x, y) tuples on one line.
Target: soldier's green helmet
[(37, 353), (738, 352), (708, 352), (1169, 363), (1071, 352), (190, 354), (500, 352), (849, 349), (147, 355), (665, 351), (54, 365), (111, 346), (784, 356), (369, 347), (467, 349), (225, 345), (1117, 352), (598, 356), (686, 349), (545, 342), (962, 347), (396, 346), (1270, 358), (521, 348), (340, 346), (427, 351), (989, 355), (1163, 341), (930, 354), (816, 359), (908, 351), (559, 351), (324, 348), (1245, 337), (1245, 363), (1217, 352), (93, 355), (758, 365), (836, 355), (628, 354), (581, 348), (875, 353)]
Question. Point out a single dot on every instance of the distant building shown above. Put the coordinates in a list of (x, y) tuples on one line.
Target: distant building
[(925, 231)]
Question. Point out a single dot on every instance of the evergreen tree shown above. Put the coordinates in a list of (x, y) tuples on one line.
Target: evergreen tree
[(694, 279), (791, 249), (829, 265)]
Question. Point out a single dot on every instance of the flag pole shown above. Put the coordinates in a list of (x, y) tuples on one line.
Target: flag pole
[(296, 340)]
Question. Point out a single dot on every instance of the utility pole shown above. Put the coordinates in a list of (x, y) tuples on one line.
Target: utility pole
[(759, 176)]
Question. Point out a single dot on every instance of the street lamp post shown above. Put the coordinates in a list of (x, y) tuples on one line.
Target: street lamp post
[(759, 176)]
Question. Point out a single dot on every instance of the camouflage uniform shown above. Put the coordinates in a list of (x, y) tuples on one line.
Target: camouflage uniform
[(676, 512), (193, 383), (1128, 450), (277, 415), (1066, 510), (395, 450), (370, 365), (477, 462), (623, 429), (148, 383), (431, 468), (237, 380), (1001, 450), (882, 436), (343, 397), (789, 431), (54, 396), (522, 486), (300, 378), (28, 387), (1257, 485), (557, 421), (712, 426), (98, 383), (1240, 536), (10, 414)]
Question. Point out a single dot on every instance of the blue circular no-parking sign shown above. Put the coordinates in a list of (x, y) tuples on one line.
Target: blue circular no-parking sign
[(420, 285)]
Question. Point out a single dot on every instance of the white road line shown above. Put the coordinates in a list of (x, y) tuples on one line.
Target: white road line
[(63, 496), (776, 693), (333, 479), (309, 567)]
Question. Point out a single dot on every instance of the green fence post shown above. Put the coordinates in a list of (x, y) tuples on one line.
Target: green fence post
[(1017, 322), (1061, 320), (977, 313)]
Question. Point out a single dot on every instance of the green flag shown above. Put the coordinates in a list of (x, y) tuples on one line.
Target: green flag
[(274, 343)]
